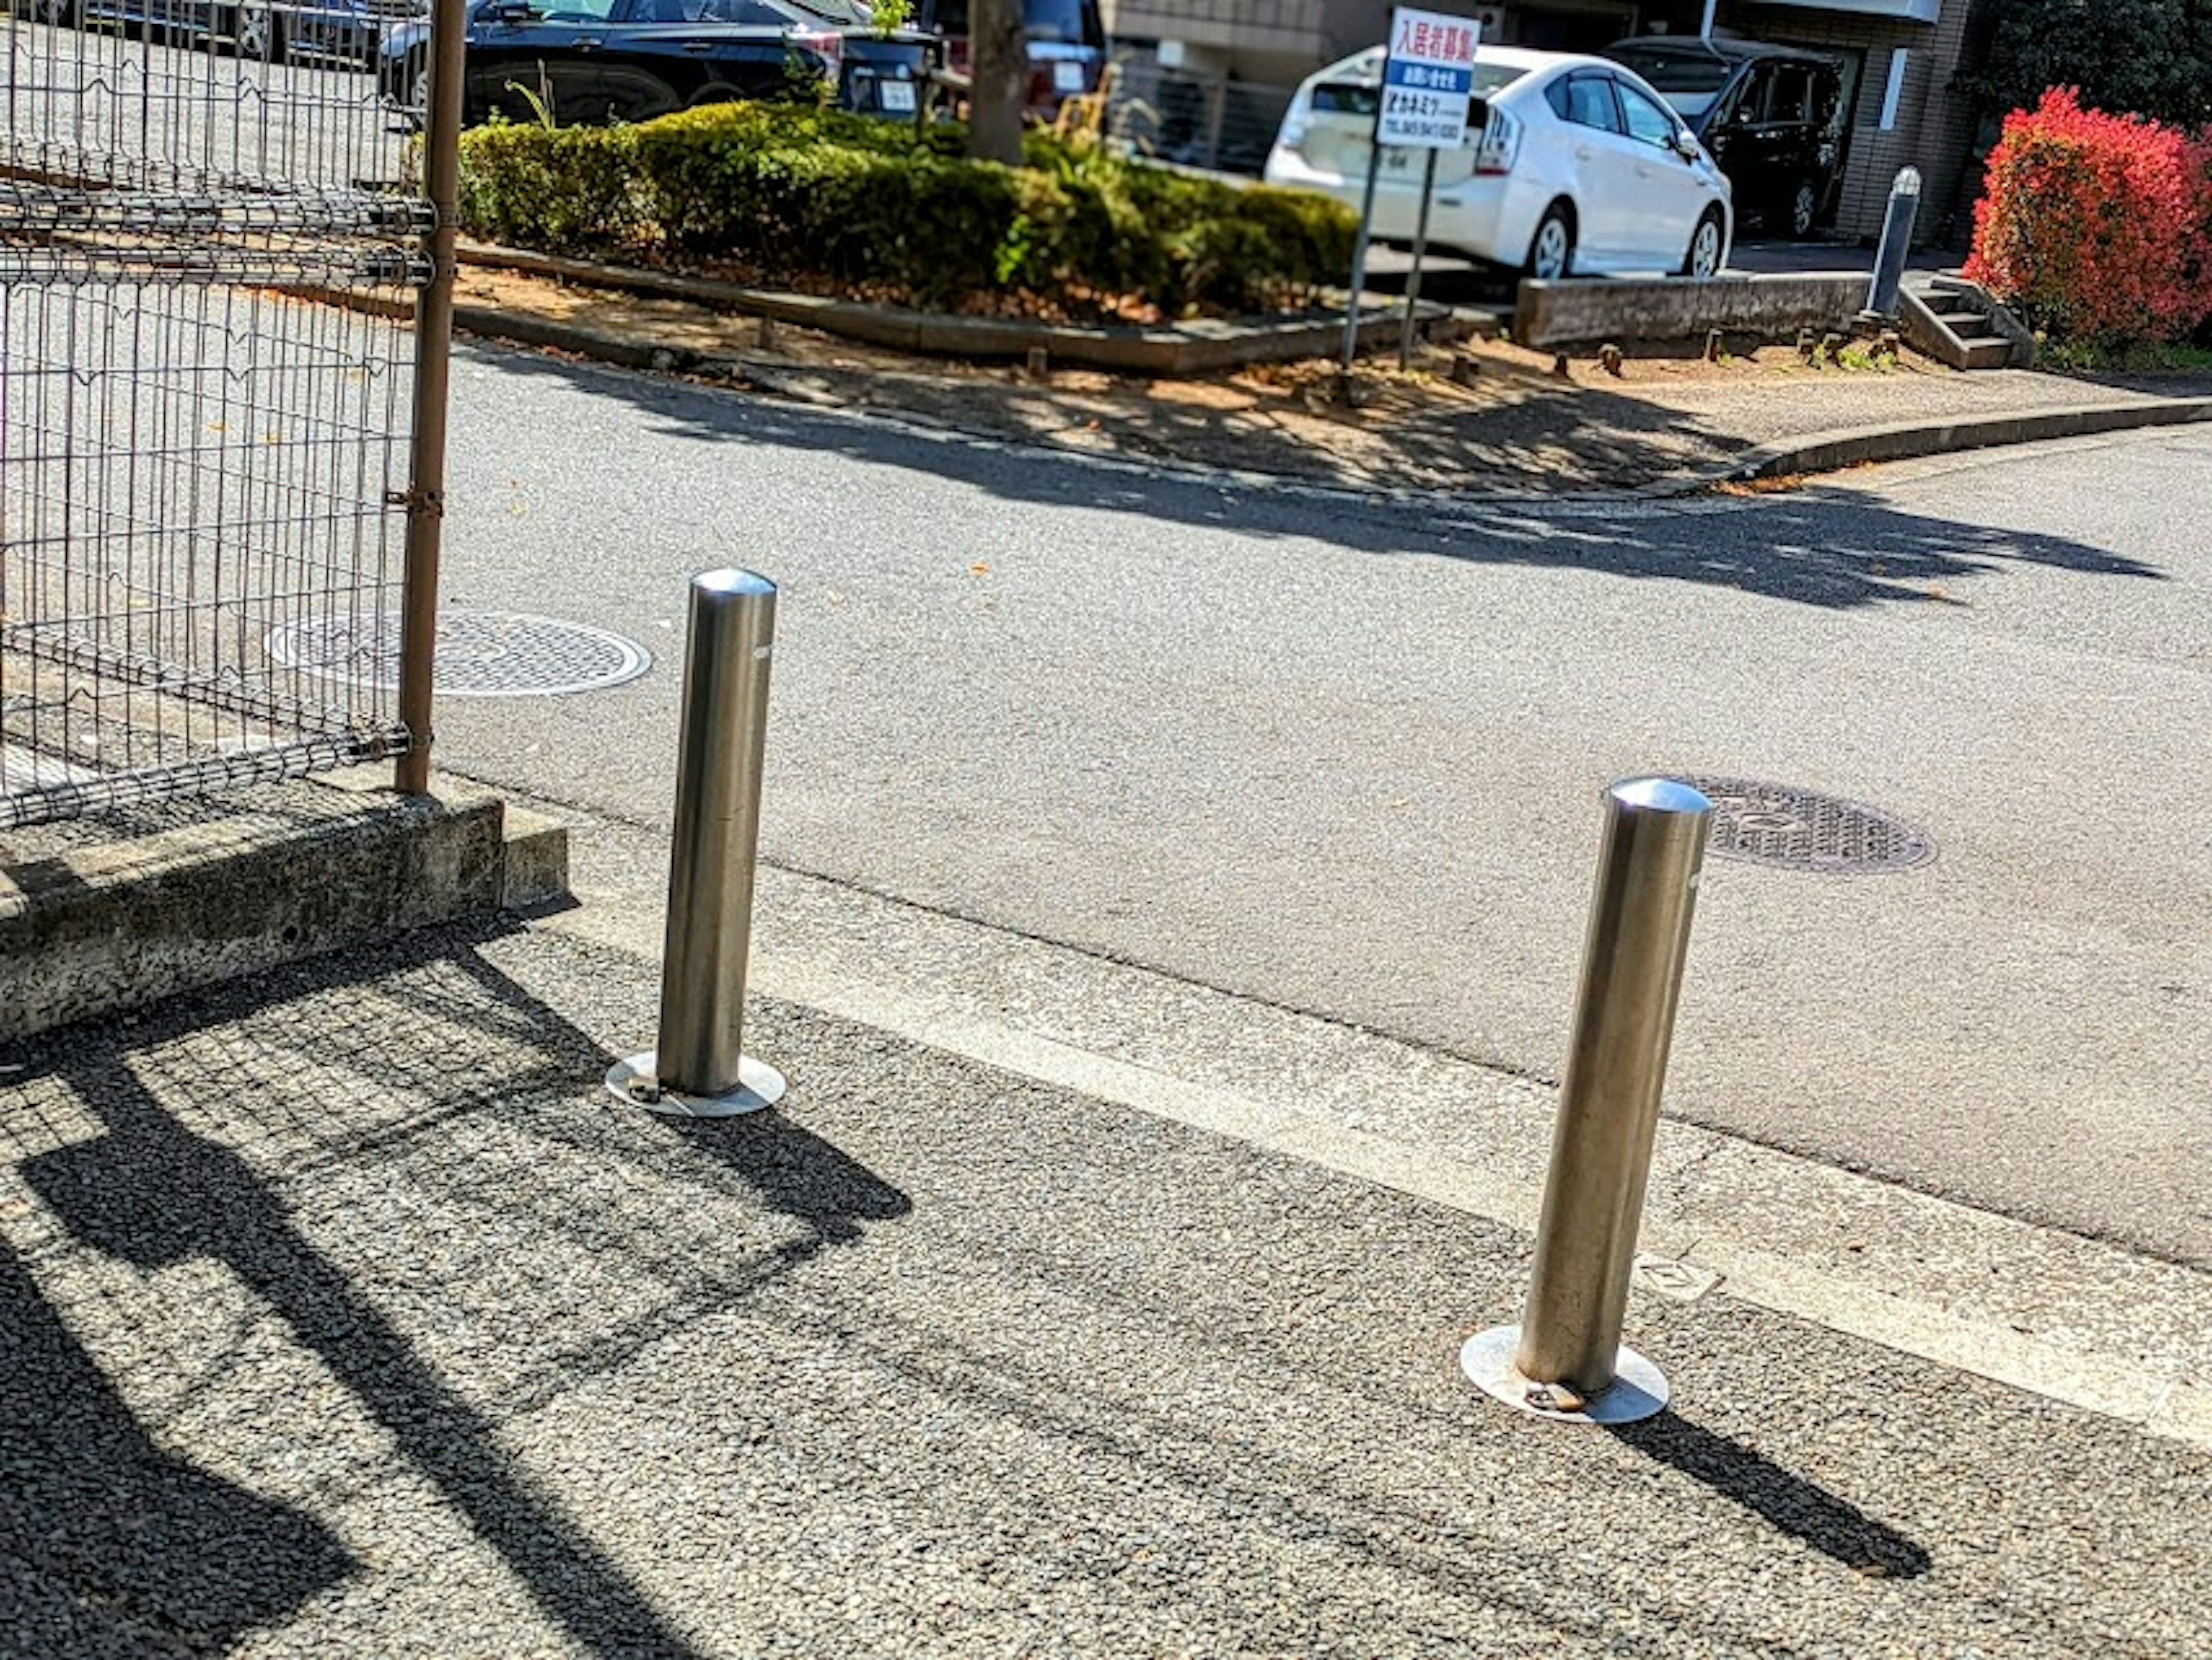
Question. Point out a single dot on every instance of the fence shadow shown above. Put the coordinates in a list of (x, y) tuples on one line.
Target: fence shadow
[(156, 1189)]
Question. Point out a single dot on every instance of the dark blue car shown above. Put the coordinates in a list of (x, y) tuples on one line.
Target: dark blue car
[(591, 61)]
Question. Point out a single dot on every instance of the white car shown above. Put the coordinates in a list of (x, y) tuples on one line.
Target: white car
[(1571, 165)]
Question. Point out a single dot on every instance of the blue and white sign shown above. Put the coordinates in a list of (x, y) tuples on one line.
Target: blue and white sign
[(1426, 78)]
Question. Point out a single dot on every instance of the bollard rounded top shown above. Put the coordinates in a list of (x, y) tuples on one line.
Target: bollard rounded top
[(1660, 795), (732, 581)]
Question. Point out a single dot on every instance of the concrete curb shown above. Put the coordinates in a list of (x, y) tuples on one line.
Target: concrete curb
[(91, 927), (1182, 348), (1830, 452)]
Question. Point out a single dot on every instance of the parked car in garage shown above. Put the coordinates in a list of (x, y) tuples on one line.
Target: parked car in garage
[(1572, 164), (1772, 117), (589, 61), (350, 31)]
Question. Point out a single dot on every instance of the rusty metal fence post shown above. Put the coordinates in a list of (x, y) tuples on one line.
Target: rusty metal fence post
[(434, 352)]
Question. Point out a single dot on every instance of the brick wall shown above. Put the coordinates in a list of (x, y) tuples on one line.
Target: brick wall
[(1936, 127), (1291, 27)]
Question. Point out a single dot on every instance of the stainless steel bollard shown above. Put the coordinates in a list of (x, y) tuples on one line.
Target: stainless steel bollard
[(699, 1069), (1896, 245), (1565, 1358)]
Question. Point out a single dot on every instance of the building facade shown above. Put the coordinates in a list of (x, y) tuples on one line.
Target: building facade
[(1212, 77)]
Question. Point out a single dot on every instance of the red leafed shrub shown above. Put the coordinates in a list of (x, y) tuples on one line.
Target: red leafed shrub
[(2098, 227)]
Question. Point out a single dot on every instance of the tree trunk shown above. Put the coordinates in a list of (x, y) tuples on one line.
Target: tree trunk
[(999, 63)]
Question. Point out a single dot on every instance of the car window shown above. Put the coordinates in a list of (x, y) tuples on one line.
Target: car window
[(713, 11), (1689, 78), (1793, 94), (1648, 123), (1586, 101), (1493, 77), (1751, 102)]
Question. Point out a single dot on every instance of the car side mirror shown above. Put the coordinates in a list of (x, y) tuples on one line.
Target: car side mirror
[(1685, 143), (510, 11)]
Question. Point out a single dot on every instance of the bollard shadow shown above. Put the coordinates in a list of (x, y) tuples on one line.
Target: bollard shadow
[(790, 1169), (796, 1172), (1830, 1525)]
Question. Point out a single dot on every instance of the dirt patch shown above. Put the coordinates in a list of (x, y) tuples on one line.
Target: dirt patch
[(1481, 418)]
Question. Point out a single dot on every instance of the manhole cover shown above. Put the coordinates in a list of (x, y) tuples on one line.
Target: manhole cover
[(1777, 824), (480, 653)]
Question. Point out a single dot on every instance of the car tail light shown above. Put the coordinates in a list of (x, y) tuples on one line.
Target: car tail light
[(1501, 142), (826, 44)]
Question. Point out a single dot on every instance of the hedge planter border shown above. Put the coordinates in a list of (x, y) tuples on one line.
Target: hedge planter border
[(1182, 348)]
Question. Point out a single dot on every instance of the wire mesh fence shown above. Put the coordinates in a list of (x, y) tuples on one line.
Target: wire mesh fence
[(1197, 121), (208, 259)]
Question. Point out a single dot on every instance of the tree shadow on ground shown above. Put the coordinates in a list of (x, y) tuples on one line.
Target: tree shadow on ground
[(174, 1175), (1832, 548), (107, 1543)]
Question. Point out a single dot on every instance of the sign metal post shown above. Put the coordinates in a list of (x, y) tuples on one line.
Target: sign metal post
[(1428, 77)]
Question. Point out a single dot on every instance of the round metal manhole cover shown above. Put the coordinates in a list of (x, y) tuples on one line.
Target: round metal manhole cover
[(480, 653), (1802, 830)]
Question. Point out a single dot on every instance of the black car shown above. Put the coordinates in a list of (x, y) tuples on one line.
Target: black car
[(1771, 116), (581, 62)]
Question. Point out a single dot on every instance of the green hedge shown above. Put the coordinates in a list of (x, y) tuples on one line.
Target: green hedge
[(819, 199)]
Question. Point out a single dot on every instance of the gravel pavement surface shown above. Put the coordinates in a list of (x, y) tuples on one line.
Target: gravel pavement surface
[(346, 1314), (1342, 756)]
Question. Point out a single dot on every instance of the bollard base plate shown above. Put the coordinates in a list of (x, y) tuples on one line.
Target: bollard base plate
[(637, 1081), (1638, 1390)]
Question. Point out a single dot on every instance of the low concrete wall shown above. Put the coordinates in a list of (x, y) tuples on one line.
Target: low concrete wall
[(1581, 312), (1194, 347), (101, 916)]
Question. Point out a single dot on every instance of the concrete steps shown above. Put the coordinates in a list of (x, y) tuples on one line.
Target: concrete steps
[(1954, 322)]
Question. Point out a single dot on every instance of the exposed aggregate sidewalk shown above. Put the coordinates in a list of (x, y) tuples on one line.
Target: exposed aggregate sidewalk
[(345, 1313)]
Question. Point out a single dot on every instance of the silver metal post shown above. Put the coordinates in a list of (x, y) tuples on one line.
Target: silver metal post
[(1896, 245), (1420, 247), (1565, 1358), (1366, 231), (699, 1069)]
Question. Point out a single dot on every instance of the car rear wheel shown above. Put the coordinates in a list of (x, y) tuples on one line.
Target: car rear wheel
[(257, 34), (1804, 208), (1703, 259), (1552, 249)]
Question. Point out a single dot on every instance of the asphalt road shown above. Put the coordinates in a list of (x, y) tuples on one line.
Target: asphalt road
[(1344, 757)]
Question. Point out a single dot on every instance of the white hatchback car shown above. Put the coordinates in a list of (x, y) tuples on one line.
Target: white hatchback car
[(1571, 165)]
